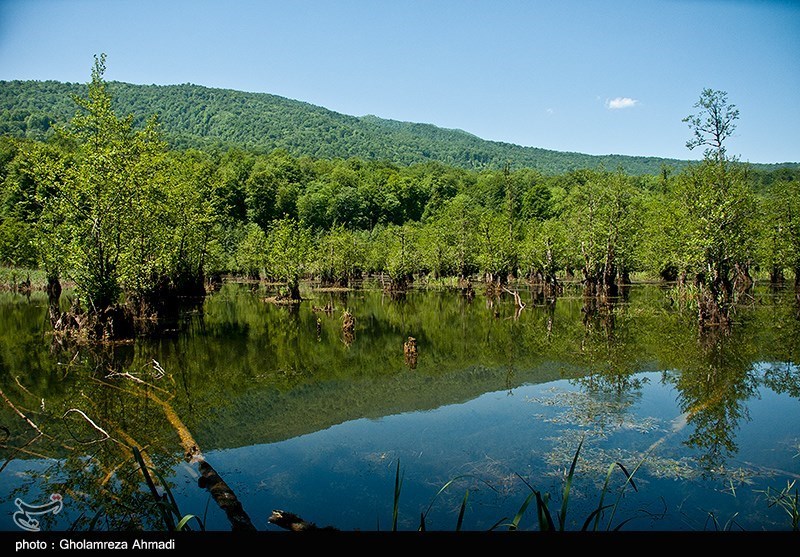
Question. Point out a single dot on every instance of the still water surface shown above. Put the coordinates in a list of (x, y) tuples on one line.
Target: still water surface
[(294, 414)]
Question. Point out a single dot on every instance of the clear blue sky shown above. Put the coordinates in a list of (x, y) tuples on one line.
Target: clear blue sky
[(597, 77)]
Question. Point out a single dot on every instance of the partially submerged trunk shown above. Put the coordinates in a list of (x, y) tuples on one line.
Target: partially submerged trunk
[(112, 324), (713, 300)]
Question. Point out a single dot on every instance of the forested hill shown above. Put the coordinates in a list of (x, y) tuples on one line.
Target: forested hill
[(202, 117)]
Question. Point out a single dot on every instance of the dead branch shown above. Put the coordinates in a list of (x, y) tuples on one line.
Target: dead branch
[(209, 479), (517, 298), (22, 450), (126, 375), (159, 370), (20, 414), (96, 427), (21, 386)]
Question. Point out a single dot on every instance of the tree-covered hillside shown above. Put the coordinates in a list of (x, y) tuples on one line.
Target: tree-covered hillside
[(195, 116)]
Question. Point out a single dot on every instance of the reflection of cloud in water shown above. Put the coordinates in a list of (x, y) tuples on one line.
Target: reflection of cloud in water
[(282, 485)]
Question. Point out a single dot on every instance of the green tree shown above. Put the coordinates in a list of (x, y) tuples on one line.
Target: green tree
[(102, 201), (340, 255), (251, 255), (714, 206), (496, 248), (289, 254), (601, 212), (779, 242), (544, 252), (713, 124), (460, 217)]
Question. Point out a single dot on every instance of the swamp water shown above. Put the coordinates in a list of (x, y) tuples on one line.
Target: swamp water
[(295, 414)]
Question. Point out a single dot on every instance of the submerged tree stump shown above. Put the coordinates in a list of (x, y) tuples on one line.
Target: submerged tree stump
[(348, 328), (410, 352), (348, 322)]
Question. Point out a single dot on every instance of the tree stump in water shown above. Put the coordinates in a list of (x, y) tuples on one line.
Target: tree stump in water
[(410, 352), (348, 327)]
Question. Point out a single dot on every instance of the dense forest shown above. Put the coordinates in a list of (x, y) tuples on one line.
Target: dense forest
[(107, 203), (198, 117)]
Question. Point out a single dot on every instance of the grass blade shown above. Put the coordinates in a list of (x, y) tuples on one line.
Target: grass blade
[(545, 519), (165, 514), (515, 523), (498, 524), (398, 485), (461, 512), (595, 514), (562, 516), (185, 521), (629, 476), (442, 489), (600, 507), (628, 480)]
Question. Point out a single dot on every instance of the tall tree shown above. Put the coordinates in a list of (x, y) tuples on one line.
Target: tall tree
[(713, 124), (715, 207), (101, 202)]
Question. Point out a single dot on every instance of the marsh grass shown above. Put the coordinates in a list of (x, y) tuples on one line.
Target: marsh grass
[(788, 501), (546, 520)]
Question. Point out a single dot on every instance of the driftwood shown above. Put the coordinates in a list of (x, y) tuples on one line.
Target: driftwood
[(292, 522)]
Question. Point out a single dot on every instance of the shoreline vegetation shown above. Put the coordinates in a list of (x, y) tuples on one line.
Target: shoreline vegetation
[(105, 205)]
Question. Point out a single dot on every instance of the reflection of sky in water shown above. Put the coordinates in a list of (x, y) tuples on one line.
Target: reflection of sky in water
[(344, 476)]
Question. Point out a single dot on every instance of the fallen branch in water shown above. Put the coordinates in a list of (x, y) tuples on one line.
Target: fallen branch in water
[(23, 450), (224, 497), (96, 427), (209, 479), (20, 414), (517, 299)]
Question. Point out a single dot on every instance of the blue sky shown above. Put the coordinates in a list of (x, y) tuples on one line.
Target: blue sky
[(597, 77)]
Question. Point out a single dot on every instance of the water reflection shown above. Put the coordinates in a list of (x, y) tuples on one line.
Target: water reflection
[(240, 373)]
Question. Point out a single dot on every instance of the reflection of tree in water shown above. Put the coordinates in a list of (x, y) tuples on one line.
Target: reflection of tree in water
[(101, 490), (610, 360), (607, 352), (598, 416), (782, 374), (715, 381), (85, 439)]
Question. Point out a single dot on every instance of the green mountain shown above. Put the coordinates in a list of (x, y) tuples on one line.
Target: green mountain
[(202, 117)]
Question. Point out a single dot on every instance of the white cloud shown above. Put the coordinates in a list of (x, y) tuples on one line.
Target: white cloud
[(621, 102)]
